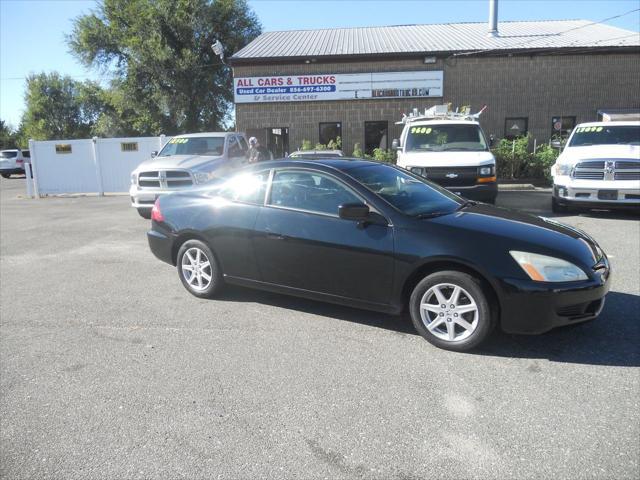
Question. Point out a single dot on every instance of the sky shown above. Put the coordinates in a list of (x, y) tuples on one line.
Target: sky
[(32, 32)]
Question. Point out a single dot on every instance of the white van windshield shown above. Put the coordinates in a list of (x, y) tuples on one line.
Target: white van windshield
[(606, 135), (449, 138), (193, 146)]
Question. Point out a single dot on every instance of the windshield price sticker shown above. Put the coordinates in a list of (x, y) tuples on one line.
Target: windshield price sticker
[(589, 129), (179, 140), (421, 130)]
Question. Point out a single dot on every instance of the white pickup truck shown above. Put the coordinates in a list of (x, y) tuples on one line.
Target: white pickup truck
[(599, 167), (184, 162)]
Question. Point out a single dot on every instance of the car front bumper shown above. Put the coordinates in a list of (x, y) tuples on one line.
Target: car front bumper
[(529, 307), (594, 193), (143, 198), (483, 192)]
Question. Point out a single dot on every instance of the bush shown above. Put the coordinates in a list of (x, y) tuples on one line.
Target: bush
[(306, 145), (512, 157), (385, 156), (357, 151), (542, 160), (335, 144), (320, 146)]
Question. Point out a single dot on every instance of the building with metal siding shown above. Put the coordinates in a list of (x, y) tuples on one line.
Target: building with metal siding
[(536, 77)]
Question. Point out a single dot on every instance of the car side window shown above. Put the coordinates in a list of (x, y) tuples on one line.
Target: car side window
[(243, 145), (245, 188), (234, 148), (310, 191)]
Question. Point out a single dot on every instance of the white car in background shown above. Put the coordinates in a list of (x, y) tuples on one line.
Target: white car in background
[(599, 167), (12, 161)]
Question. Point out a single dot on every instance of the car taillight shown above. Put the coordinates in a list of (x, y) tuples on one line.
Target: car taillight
[(156, 214)]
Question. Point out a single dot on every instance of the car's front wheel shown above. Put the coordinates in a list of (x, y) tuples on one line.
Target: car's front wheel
[(451, 310), (557, 207), (5, 175), (198, 269)]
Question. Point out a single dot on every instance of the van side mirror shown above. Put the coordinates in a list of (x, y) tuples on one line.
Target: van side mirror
[(492, 140), (154, 153), (354, 211), (556, 143), (395, 144)]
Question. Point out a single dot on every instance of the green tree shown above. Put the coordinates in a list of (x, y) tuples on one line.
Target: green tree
[(167, 78), (8, 136), (58, 107)]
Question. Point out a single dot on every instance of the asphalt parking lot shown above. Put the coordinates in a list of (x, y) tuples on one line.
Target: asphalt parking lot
[(110, 369)]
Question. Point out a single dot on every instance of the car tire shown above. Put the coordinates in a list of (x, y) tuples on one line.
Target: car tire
[(144, 213), (457, 324), (5, 175), (194, 253), (557, 207)]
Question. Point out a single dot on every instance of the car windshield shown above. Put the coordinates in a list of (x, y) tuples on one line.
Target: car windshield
[(193, 146), (606, 135), (407, 193), (444, 138), (8, 154)]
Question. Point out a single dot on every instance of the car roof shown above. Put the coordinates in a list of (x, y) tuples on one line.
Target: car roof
[(342, 163), (441, 121), (10, 150), (206, 134), (317, 152), (634, 123)]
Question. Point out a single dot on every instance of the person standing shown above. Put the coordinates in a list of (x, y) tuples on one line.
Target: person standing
[(257, 153)]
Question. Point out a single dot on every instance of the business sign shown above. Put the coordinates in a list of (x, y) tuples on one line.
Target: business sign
[(352, 86)]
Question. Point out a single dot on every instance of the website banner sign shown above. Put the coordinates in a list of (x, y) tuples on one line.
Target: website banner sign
[(352, 86)]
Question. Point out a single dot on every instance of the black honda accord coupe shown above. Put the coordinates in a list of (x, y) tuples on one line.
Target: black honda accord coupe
[(378, 237)]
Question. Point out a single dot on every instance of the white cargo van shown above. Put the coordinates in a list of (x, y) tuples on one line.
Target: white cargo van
[(599, 167), (450, 149)]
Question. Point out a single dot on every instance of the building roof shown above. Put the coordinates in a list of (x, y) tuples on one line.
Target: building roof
[(437, 38)]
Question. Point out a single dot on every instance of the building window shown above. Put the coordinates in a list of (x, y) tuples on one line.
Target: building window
[(561, 127), (330, 131), (129, 146), (516, 127), (375, 136)]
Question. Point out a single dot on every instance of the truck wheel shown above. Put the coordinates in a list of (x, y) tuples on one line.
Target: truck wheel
[(144, 213), (557, 207)]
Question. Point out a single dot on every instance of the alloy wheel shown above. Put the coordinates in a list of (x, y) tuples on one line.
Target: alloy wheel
[(449, 312), (196, 269)]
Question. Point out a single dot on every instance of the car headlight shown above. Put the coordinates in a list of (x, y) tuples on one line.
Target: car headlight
[(548, 269), (563, 169), (203, 177), (134, 179), (486, 171)]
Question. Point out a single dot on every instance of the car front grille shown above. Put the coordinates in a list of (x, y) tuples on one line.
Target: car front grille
[(165, 179), (448, 176), (607, 170)]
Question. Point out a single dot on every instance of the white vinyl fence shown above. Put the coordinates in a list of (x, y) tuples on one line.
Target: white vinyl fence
[(95, 165)]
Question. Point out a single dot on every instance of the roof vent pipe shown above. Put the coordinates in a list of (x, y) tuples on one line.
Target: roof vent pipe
[(493, 18)]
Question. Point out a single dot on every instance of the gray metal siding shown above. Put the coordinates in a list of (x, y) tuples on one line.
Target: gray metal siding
[(452, 37)]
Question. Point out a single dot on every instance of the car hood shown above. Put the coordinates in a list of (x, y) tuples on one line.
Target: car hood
[(575, 154), (520, 231), (446, 159), (188, 162)]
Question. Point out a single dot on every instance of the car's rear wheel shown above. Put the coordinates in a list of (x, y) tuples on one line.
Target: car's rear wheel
[(5, 175), (198, 269), (451, 310), (144, 213)]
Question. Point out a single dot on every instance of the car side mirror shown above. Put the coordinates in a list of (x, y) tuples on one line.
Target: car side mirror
[(492, 140), (354, 211), (556, 143), (154, 153), (395, 144)]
